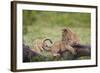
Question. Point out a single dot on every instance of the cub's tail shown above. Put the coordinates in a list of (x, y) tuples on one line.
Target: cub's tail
[(47, 43)]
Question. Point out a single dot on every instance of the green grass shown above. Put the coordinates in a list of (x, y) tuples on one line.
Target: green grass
[(55, 34)]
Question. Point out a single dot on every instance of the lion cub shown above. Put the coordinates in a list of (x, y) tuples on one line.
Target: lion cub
[(69, 38), (39, 45)]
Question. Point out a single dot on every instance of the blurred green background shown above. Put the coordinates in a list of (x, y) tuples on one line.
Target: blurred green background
[(43, 24), (48, 24)]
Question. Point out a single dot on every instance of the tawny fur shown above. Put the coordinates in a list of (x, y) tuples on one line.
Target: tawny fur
[(38, 45), (60, 46), (69, 38)]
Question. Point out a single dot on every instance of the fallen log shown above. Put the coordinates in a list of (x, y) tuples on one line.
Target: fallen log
[(28, 53), (82, 50)]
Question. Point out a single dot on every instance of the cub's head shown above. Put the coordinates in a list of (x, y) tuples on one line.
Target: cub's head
[(69, 36), (66, 34)]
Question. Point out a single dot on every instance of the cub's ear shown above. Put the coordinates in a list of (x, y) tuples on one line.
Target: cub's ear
[(64, 30)]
